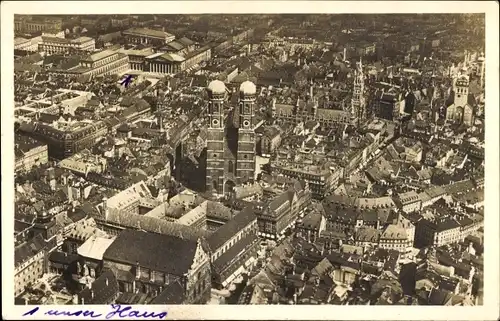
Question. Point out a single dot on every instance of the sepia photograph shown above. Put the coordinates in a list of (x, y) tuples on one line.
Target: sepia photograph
[(230, 159)]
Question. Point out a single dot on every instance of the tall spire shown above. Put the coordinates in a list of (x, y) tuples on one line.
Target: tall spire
[(358, 100)]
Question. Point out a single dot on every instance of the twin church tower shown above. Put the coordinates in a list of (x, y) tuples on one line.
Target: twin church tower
[(231, 138)]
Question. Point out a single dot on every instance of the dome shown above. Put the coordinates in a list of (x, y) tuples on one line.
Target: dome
[(217, 87), (248, 88)]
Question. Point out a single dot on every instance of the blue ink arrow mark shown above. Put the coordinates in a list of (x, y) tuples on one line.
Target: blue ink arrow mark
[(127, 81)]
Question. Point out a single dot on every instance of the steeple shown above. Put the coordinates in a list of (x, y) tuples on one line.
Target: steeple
[(358, 101), (215, 148), (45, 224)]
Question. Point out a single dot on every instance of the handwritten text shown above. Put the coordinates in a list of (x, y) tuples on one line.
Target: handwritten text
[(117, 311)]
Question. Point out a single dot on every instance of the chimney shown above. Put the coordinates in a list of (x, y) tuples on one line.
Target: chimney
[(107, 282), (345, 54), (70, 193), (105, 207), (137, 270), (52, 184), (92, 294)]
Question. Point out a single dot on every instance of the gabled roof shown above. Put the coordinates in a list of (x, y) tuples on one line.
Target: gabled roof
[(104, 290), (185, 41), (27, 250), (99, 55), (172, 294), (147, 32), (439, 297), (94, 247), (176, 45), (163, 253), (231, 228), (171, 57)]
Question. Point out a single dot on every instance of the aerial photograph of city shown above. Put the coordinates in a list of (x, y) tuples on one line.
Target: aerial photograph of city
[(246, 159)]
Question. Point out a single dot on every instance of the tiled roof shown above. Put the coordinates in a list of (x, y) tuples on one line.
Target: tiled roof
[(131, 194), (439, 297), (172, 57), (153, 224), (176, 45), (228, 230), (216, 210), (367, 234), (147, 32), (224, 261), (163, 253), (62, 257), (247, 191), (172, 294), (100, 55), (446, 224), (94, 247), (133, 298), (104, 290), (27, 250), (322, 267), (435, 191), (312, 220), (394, 232)]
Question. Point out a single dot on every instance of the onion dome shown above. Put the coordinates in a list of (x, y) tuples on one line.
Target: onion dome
[(248, 88), (217, 87)]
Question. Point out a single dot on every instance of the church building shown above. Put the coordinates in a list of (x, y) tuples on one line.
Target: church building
[(460, 107), (231, 137)]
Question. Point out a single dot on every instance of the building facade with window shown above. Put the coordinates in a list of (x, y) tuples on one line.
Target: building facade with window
[(28, 264), (148, 36), (57, 45), (438, 232), (29, 153), (233, 247), (106, 62), (24, 23), (282, 212), (320, 178), (149, 262), (68, 140)]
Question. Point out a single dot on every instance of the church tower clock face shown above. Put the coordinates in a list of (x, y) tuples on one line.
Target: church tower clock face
[(215, 122)]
